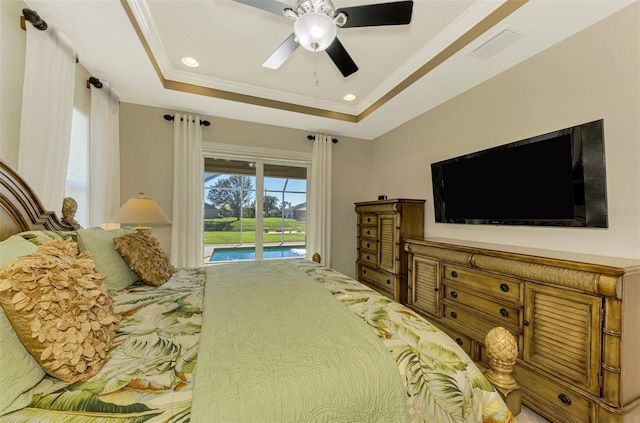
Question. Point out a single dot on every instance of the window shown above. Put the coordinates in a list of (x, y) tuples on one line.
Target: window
[(254, 209), (77, 185)]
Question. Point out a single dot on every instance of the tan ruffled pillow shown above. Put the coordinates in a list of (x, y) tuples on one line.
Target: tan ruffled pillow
[(60, 310), (143, 254)]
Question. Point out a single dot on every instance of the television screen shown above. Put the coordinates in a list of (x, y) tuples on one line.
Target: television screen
[(553, 179)]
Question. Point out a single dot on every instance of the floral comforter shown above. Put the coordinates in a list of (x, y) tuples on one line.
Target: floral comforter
[(149, 376), (442, 383)]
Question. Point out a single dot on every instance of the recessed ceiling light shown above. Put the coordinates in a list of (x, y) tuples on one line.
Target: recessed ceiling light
[(190, 61), (349, 97)]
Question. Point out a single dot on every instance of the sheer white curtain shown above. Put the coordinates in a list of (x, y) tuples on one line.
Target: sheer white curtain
[(47, 110), (187, 243), (105, 154), (319, 207)]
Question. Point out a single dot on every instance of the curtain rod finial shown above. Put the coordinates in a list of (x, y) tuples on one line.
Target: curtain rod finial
[(95, 82), (33, 17)]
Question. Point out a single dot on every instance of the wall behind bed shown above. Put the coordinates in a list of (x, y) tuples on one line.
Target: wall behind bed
[(146, 149), (594, 74)]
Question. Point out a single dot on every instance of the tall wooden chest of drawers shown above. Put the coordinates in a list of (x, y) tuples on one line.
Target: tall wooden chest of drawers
[(576, 319), (383, 226)]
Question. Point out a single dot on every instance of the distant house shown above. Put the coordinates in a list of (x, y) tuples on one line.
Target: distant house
[(299, 212), (210, 211)]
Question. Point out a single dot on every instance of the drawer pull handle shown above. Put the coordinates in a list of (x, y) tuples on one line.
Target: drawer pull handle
[(388, 281), (459, 341), (525, 323), (368, 219), (368, 258), (454, 294), (453, 315), (504, 312), (364, 272), (368, 245), (368, 232), (564, 399), (437, 289), (454, 274), (504, 287)]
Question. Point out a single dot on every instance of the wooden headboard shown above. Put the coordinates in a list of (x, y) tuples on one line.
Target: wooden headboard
[(21, 209)]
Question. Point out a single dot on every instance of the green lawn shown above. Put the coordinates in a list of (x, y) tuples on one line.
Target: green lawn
[(227, 230)]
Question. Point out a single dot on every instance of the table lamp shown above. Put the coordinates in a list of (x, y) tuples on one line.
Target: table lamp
[(141, 211)]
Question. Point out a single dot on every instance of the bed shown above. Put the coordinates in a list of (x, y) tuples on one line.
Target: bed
[(270, 341)]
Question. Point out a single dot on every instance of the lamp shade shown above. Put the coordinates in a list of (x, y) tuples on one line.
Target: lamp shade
[(315, 31), (141, 210)]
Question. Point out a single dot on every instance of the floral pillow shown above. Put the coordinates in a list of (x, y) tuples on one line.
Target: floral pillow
[(145, 257), (60, 309)]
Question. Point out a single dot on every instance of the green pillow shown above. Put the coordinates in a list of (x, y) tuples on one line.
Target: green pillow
[(14, 247), (108, 261), (42, 237), (19, 371)]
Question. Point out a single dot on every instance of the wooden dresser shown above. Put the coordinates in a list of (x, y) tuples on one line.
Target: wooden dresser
[(383, 226), (576, 319)]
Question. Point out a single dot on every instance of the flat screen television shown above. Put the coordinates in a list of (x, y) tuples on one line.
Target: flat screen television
[(554, 179)]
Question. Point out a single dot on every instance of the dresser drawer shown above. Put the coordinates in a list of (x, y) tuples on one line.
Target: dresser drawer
[(369, 219), (505, 313), (369, 257), (369, 232), (469, 323), (380, 279), (368, 244), (481, 281), (561, 403)]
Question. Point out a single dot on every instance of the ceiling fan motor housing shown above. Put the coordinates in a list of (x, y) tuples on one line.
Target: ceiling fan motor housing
[(325, 7)]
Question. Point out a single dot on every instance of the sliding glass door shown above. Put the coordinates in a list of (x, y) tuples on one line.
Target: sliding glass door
[(254, 209)]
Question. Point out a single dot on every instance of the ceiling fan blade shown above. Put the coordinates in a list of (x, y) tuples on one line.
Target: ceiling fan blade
[(395, 13), (282, 53), (272, 6), (341, 58)]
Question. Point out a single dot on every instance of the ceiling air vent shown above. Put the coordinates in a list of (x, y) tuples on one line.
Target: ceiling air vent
[(496, 43)]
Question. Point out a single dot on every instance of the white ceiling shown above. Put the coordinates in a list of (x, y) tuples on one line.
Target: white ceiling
[(136, 46)]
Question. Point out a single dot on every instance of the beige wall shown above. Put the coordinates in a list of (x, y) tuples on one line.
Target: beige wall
[(593, 75), (146, 154)]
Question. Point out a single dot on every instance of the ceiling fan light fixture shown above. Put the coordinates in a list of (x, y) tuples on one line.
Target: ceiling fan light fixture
[(315, 31)]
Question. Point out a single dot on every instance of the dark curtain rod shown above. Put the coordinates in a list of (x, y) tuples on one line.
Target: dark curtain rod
[(202, 122), (35, 19), (313, 137)]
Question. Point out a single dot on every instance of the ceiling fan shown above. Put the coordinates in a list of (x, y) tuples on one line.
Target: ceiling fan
[(316, 23)]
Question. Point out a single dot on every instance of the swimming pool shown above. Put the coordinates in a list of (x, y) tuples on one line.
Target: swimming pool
[(249, 253)]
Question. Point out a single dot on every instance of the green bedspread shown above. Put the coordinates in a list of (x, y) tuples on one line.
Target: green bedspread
[(280, 348)]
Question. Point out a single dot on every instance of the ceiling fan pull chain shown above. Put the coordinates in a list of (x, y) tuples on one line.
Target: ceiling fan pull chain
[(315, 66)]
